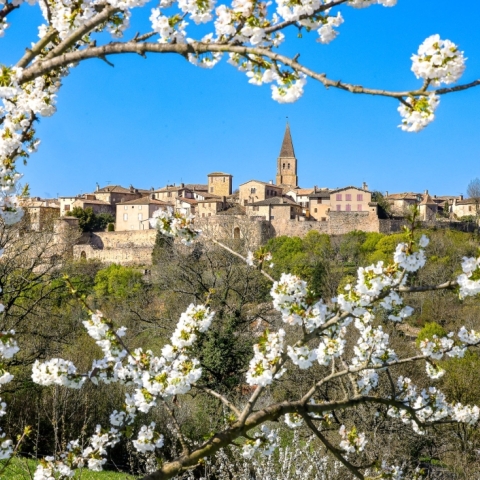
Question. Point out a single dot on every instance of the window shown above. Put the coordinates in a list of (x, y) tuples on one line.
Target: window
[(209, 214), (348, 208), (245, 202), (359, 207), (125, 207), (255, 209), (339, 208), (360, 197), (203, 214), (139, 207), (315, 210), (125, 216), (211, 189), (67, 207), (253, 190), (169, 194), (323, 219), (223, 179), (289, 166), (348, 197), (319, 200), (140, 216), (284, 166), (339, 197), (272, 218)]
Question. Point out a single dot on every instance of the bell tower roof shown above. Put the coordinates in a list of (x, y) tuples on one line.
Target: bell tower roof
[(287, 145)]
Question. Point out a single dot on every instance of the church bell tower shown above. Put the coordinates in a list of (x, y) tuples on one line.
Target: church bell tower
[(287, 163)]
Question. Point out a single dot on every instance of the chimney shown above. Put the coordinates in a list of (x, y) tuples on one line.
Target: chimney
[(270, 182), (386, 193), (182, 185), (364, 186), (131, 188), (460, 197), (315, 189), (426, 192)]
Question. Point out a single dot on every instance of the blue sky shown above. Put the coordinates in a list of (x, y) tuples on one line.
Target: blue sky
[(149, 122)]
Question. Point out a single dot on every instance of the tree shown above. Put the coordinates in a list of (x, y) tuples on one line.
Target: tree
[(356, 371), (89, 221), (250, 33), (473, 191)]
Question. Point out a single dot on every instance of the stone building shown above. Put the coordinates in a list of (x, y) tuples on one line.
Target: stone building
[(319, 204), (256, 191), (276, 208), (186, 206), (135, 214), (300, 196), (114, 194), (41, 213), (428, 208), (90, 201), (171, 192), (210, 206), (350, 199), (220, 184), (287, 163)]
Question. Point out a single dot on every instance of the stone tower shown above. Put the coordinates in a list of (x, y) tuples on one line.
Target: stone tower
[(287, 163)]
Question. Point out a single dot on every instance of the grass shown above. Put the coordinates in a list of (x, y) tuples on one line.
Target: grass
[(23, 469)]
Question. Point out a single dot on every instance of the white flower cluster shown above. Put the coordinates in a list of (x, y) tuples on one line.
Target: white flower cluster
[(469, 286), (372, 347), (49, 469), (436, 348), (368, 3), (469, 337), (352, 441), (57, 372), (418, 112), (411, 261), (302, 356), (102, 332), (331, 345), (8, 348), (438, 61), (288, 91), (265, 443), (174, 224), (148, 440), (290, 299), (267, 354), (8, 344), (368, 380), (169, 29), (430, 406), (293, 420)]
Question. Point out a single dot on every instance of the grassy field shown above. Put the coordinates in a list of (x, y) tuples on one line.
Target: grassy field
[(23, 469)]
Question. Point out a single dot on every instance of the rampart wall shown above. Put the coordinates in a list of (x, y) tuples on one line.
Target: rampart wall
[(135, 247)]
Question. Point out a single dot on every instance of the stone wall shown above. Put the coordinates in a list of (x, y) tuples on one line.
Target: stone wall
[(339, 224), (126, 248)]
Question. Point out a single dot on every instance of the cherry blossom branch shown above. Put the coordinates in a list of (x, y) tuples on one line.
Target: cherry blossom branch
[(233, 252), (115, 48), (220, 397), (335, 451)]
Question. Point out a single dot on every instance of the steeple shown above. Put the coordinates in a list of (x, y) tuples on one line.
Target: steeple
[(287, 145), (287, 163)]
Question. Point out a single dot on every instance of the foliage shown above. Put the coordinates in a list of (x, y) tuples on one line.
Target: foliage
[(429, 330), (117, 282), (88, 221)]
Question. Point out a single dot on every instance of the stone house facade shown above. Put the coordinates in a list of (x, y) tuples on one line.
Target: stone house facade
[(114, 194), (135, 214), (256, 191), (276, 208), (350, 199), (220, 184), (319, 205)]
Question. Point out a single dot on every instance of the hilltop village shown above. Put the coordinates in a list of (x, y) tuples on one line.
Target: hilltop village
[(257, 209)]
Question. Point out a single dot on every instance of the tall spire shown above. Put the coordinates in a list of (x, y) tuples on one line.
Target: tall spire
[(287, 144)]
